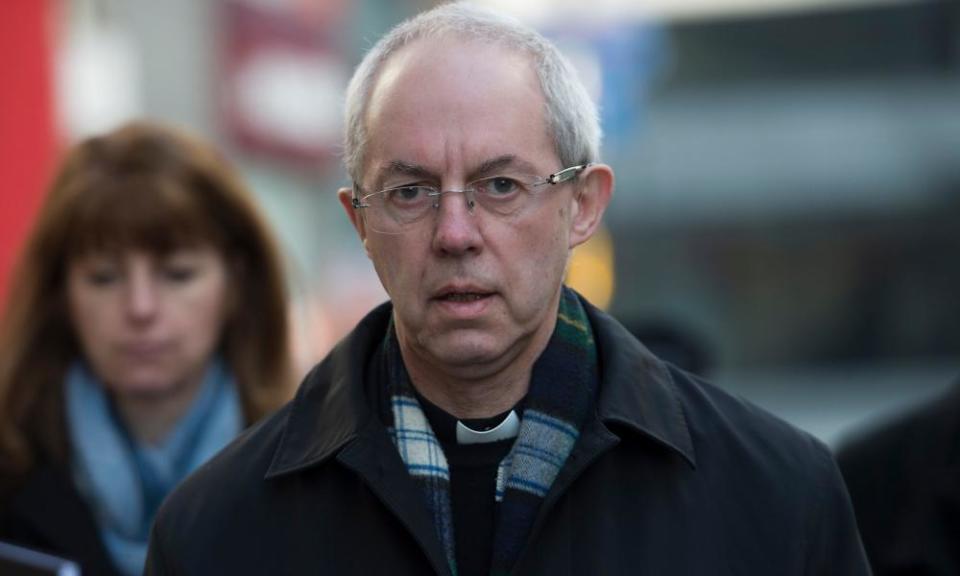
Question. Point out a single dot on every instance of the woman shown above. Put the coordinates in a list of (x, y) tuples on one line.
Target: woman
[(145, 327)]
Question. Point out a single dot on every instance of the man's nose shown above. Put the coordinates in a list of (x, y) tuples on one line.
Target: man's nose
[(457, 228)]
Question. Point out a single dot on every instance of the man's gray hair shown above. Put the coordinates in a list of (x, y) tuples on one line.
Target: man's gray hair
[(570, 114)]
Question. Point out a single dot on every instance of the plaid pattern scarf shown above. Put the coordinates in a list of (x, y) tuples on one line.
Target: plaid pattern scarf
[(562, 387)]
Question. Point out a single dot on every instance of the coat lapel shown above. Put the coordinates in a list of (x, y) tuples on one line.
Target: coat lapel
[(636, 395), (331, 417), (375, 459)]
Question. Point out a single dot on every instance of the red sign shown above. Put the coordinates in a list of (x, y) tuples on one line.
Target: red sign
[(283, 77)]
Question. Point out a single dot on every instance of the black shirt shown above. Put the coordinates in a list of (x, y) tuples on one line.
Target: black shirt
[(473, 483)]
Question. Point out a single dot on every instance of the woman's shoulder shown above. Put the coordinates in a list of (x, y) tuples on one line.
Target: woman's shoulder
[(43, 510)]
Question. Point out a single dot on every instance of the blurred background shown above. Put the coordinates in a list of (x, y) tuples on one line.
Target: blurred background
[(787, 213)]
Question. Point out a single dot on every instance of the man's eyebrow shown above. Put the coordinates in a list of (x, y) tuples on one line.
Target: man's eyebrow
[(401, 168), (494, 165), (486, 168)]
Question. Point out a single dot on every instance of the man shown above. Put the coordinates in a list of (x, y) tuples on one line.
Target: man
[(489, 420)]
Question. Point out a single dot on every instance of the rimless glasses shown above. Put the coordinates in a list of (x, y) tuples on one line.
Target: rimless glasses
[(397, 209)]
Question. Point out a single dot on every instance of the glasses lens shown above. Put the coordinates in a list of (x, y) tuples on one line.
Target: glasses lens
[(501, 195), (394, 209)]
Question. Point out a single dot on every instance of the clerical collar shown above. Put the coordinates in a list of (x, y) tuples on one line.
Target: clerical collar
[(449, 429), (508, 428)]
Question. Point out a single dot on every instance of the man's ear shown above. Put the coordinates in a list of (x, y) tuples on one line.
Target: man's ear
[(345, 196), (593, 196)]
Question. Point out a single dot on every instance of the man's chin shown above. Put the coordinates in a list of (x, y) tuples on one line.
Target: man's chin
[(467, 349)]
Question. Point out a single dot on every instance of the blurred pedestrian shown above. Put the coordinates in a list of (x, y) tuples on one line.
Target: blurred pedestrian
[(145, 328), (904, 480)]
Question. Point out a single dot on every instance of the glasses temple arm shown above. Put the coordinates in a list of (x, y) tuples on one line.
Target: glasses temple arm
[(566, 174)]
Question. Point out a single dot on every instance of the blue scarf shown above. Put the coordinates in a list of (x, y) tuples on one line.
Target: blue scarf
[(562, 386), (124, 481)]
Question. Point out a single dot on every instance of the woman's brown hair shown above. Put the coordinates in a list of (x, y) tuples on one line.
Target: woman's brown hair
[(154, 188)]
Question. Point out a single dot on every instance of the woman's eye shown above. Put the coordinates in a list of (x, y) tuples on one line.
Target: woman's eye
[(102, 276), (179, 273)]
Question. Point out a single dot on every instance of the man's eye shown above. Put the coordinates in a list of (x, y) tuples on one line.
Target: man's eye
[(499, 186), (405, 194)]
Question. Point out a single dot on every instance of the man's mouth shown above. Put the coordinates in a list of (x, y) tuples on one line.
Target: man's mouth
[(463, 302), (463, 296)]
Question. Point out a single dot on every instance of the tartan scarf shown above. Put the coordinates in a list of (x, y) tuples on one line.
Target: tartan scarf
[(561, 391)]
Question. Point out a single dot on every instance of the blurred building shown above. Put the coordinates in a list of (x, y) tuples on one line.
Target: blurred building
[(788, 183)]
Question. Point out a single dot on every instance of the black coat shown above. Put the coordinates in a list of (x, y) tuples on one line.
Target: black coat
[(669, 476), (47, 513), (904, 478)]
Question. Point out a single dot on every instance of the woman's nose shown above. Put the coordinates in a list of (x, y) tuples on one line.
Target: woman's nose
[(142, 297)]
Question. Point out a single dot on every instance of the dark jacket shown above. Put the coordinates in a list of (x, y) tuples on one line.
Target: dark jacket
[(904, 478), (669, 476), (46, 513)]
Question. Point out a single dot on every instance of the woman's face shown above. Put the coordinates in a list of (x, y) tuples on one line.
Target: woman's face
[(148, 324)]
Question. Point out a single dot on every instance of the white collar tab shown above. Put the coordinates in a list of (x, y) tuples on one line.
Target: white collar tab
[(505, 430)]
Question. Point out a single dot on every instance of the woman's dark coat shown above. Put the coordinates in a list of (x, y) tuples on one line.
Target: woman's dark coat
[(45, 512)]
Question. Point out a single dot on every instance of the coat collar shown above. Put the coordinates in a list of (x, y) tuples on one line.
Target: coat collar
[(331, 410), (637, 392)]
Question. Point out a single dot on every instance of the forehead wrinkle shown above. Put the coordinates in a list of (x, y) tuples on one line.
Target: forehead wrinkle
[(486, 168)]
